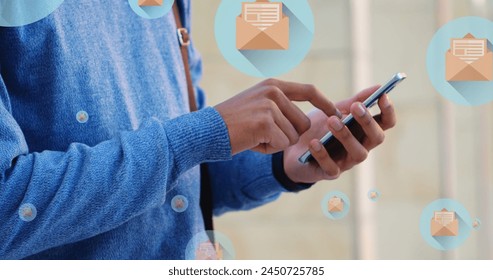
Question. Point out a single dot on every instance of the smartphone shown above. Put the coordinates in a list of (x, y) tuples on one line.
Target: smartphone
[(331, 144)]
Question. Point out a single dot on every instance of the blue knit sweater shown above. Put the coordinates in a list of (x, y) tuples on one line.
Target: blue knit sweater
[(95, 134)]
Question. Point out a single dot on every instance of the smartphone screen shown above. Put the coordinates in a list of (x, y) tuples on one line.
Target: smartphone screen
[(332, 145)]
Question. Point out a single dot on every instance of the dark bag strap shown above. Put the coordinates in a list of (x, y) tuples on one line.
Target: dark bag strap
[(205, 185)]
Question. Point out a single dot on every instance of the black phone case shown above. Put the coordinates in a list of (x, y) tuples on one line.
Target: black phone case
[(335, 148)]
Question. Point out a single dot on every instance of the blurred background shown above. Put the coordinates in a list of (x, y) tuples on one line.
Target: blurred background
[(438, 150)]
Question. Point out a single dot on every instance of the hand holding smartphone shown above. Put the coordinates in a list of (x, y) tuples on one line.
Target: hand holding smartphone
[(331, 144)]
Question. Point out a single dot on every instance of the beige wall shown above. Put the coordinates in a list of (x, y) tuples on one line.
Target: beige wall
[(407, 166)]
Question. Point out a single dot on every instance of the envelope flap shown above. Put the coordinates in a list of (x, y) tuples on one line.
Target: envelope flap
[(245, 32), (484, 64), (437, 229), (250, 37), (278, 28), (473, 73), (454, 67), (150, 2)]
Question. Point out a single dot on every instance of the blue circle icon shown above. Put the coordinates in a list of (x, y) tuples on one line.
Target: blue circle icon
[(210, 245), (460, 61), (476, 224), (264, 38), (27, 212), (373, 195), (335, 205), (179, 203), (151, 9), (445, 224), (22, 12), (82, 116)]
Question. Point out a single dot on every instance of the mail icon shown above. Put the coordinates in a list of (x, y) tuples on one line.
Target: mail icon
[(336, 204), (262, 26), (469, 59), (373, 195), (444, 223), (143, 3), (208, 251)]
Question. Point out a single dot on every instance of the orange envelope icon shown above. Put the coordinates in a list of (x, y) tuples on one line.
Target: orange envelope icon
[(336, 204), (262, 26), (444, 223), (206, 251), (468, 60), (150, 3), (373, 195)]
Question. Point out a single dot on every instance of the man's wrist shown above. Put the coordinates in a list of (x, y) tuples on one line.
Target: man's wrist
[(282, 177)]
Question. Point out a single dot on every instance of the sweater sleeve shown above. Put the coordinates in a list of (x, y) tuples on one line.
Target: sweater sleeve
[(244, 182), (53, 198)]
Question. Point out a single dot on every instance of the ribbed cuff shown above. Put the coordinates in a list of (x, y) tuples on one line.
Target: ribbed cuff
[(198, 137), (282, 177)]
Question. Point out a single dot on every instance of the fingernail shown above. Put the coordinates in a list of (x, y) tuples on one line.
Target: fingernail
[(360, 110), (338, 114), (316, 146), (336, 124)]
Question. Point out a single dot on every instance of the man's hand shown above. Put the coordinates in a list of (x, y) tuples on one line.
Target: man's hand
[(264, 119), (325, 167)]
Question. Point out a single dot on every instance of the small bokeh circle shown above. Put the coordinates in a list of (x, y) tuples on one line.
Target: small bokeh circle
[(27, 212), (335, 205), (374, 195), (261, 61), (82, 116), (440, 58), (179, 203), (476, 224), (153, 10), (15, 13), (210, 245), (442, 234)]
